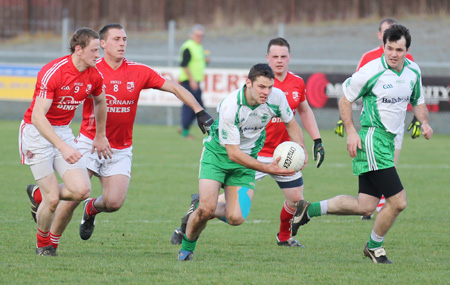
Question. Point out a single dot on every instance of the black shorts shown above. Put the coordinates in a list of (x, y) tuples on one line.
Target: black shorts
[(381, 182)]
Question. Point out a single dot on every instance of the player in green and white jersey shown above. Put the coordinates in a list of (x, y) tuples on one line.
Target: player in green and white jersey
[(386, 86), (229, 157)]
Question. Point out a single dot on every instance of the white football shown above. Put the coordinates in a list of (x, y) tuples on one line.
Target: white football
[(292, 155)]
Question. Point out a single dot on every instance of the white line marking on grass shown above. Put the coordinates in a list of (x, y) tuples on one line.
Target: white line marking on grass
[(407, 166), (173, 221)]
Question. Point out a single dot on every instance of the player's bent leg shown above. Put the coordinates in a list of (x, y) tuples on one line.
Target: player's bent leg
[(63, 216), (77, 185), (50, 199), (208, 194), (292, 195), (363, 204), (387, 215), (238, 204), (115, 189)]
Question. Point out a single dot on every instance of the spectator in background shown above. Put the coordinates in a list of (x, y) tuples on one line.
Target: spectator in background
[(192, 73)]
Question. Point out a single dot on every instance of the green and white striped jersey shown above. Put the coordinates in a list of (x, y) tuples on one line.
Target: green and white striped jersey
[(244, 125), (385, 93)]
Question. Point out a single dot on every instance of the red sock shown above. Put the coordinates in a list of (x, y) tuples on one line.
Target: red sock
[(55, 240), (37, 195), (285, 218), (90, 208), (43, 238)]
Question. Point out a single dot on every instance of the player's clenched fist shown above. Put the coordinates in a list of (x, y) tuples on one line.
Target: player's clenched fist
[(204, 121)]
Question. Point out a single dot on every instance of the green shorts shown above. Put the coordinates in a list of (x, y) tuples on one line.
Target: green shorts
[(377, 151), (220, 168)]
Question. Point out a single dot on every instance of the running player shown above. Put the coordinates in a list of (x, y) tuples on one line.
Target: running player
[(46, 141), (386, 85), (124, 80), (229, 157), (278, 56)]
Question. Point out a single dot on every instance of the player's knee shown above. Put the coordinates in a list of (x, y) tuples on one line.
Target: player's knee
[(52, 202), (367, 212), (235, 220), (82, 192), (204, 214), (112, 206), (400, 205)]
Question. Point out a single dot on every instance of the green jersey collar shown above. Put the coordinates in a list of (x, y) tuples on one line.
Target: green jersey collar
[(386, 65), (242, 100)]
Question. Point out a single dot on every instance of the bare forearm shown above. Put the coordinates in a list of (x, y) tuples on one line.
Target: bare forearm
[(421, 113), (185, 96), (100, 112), (309, 123), (345, 110), (46, 130)]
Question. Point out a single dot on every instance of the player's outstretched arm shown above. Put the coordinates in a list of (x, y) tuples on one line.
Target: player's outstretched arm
[(204, 120)]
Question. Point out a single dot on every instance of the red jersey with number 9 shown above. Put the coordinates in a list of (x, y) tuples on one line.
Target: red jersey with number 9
[(60, 81), (293, 87)]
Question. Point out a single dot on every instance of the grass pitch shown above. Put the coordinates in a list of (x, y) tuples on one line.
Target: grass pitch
[(132, 245)]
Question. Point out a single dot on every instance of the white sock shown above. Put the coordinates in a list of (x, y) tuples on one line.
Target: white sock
[(324, 207), (376, 237)]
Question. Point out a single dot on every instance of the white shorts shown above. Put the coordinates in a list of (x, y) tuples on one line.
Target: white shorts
[(120, 163), (41, 155), (260, 175)]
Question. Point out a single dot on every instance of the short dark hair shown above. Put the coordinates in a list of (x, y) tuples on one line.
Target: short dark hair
[(395, 33), (82, 37), (260, 69), (390, 21), (104, 31), (278, 42)]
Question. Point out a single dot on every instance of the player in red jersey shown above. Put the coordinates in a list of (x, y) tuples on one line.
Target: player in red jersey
[(278, 57), (46, 141), (124, 81)]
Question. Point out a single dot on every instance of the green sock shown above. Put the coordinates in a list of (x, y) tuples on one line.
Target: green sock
[(375, 244), (185, 132), (187, 244), (314, 210)]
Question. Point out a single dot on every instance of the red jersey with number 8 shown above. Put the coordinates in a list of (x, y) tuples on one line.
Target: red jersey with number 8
[(122, 87)]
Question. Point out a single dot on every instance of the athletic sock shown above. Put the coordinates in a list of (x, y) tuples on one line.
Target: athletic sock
[(43, 238), (375, 240), (187, 244), (285, 225), (37, 196), (314, 210), (185, 132), (55, 240), (90, 208)]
